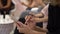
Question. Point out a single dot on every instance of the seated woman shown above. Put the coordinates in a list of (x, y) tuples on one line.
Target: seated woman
[(7, 6), (6, 23)]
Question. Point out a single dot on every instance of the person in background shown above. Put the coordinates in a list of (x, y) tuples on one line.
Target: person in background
[(5, 10), (6, 5)]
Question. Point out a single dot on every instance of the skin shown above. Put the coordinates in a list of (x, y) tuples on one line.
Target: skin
[(32, 23), (6, 6), (36, 19), (22, 27), (0, 4), (34, 3), (40, 2)]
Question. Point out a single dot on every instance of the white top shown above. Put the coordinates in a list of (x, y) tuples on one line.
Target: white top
[(7, 19), (34, 9)]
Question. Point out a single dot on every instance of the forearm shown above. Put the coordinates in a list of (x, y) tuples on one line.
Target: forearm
[(45, 19), (35, 32), (40, 29), (8, 4), (39, 15), (30, 5), (1, 4)]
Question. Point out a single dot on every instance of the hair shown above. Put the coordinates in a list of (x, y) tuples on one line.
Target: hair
[(46, 1), (55, 2)]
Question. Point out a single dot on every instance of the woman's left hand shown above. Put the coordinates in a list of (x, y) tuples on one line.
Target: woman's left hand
[(23, 28)]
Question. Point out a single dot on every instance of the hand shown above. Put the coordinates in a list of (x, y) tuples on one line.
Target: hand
[(23, 28), (32, 18), (29, 23)]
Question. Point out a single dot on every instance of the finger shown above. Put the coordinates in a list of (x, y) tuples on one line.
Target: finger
[(28, 19), (19, 24), (32, 19)]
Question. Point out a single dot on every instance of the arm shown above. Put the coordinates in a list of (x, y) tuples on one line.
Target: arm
[(40, 29), (35, 32), (40, 3), (8, 4), (26, 29), (39, 15), (45, 19), (30, 5), (44, 12), (0, 4)]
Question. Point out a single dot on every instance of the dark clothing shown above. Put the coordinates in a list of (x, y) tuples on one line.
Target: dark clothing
[(12, 6), (53, 19)]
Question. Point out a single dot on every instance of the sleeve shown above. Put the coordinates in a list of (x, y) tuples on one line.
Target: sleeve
[(45, 10)]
